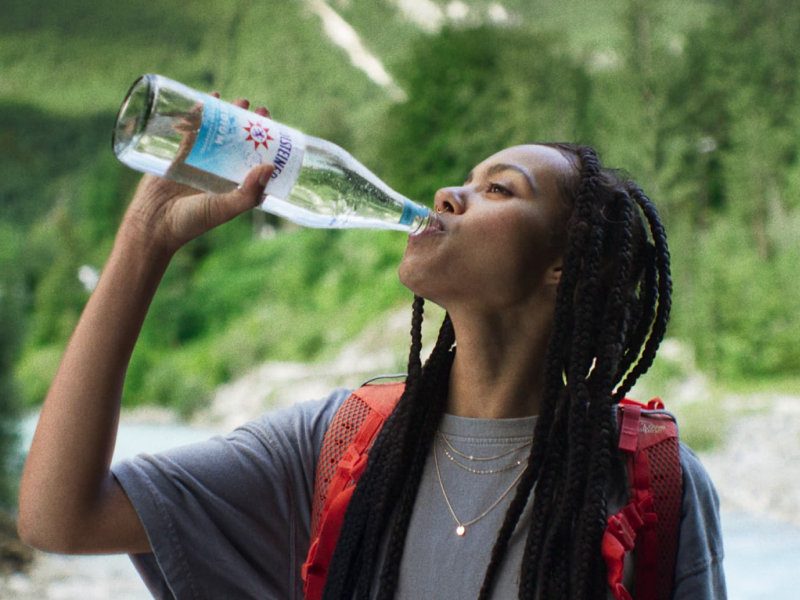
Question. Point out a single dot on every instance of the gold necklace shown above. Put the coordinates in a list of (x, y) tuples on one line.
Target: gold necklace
[(513, 465), (461, 528), (480, 458)]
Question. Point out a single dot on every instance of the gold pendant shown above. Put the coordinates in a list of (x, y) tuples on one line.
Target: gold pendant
[(460, 530)]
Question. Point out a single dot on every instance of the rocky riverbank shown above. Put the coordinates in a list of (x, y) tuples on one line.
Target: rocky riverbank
[(54, 577), (757, 469), (14, 555)]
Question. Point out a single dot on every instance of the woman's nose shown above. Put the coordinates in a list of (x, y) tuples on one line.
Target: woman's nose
[(449, 199)]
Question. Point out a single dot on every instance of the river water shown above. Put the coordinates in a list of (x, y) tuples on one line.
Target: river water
[(762, 553)]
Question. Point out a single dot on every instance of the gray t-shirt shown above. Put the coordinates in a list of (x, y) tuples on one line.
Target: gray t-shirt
[(230, 517)]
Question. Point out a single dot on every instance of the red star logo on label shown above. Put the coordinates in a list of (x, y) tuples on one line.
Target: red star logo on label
[(258, 135)]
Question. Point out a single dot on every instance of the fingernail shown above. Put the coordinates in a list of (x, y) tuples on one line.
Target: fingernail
[(263, 179)]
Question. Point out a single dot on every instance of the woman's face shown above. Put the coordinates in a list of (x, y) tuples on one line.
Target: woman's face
[(501, 236)]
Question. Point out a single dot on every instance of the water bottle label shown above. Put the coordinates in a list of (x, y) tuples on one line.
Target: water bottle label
[(232, 141)]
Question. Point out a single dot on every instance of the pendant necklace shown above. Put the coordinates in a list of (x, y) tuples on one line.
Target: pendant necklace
[(461, 528)]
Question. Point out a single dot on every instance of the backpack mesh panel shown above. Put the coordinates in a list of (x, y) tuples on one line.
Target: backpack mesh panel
[(666, 485), (342, 431)]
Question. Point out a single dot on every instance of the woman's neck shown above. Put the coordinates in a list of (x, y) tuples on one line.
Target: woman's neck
[(499, 368)]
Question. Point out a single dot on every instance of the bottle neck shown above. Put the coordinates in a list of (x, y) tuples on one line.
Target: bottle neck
[(415, 217)]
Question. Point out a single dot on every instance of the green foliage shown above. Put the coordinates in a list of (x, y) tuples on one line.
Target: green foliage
[(730, 167), (43, 156), (289, 298), (35, 370), (748, 326), (241, 306)]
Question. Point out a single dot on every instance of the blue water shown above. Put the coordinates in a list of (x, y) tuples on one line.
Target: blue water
[(762, 554), (762, 557), (134, 438)]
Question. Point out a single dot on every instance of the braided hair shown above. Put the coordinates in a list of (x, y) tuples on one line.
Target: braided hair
[(611, 312)]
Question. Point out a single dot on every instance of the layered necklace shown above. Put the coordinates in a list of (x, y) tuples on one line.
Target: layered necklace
[(449, 451)]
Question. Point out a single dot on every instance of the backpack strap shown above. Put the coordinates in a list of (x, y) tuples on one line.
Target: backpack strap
[(650, 522), (341, 462)]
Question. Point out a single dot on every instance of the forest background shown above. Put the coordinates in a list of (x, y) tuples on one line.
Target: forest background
[(698, 99)]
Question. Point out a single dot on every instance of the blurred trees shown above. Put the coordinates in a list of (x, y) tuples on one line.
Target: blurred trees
[(733, 109)]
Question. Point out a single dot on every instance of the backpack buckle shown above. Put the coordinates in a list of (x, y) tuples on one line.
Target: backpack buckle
[(353, 465), (637, 515), (620, 528)]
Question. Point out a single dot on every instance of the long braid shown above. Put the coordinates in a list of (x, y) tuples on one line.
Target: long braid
[(662, 261), (644, 308), (435, 379), (367, 507), (398, 454), (626, 319), (591, 521), (389, 482)]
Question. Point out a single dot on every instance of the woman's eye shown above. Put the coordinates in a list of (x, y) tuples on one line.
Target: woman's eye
[(496, 188)]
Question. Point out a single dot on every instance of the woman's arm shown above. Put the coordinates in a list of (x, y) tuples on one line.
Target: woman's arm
[(699, 573), (69, 501)]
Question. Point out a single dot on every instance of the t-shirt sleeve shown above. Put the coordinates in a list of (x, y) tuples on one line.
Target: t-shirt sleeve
[(698, 570), (230, 517)]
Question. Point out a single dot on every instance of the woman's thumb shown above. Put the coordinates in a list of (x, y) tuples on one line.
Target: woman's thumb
[(225, 207), (254, 184)]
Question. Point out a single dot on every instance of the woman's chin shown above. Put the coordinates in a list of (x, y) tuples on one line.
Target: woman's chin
[(414, 279), (408, 276)]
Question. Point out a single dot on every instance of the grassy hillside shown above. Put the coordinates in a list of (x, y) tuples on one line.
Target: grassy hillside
[(77, 58)]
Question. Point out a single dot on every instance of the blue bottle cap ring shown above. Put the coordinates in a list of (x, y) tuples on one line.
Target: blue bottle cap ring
[(412, 210)]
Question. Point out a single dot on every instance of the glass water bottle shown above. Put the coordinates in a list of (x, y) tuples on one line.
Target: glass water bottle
[(168, 129)]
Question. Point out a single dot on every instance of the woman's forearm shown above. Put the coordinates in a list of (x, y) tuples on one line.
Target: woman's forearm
[(66, 483)]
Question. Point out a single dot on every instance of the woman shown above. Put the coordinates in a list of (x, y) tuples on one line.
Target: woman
[(558, 302)]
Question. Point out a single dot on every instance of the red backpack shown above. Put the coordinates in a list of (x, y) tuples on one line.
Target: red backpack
[(650, 522)]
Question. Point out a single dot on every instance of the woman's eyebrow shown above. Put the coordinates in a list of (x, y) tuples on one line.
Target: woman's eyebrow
[(494, 169)]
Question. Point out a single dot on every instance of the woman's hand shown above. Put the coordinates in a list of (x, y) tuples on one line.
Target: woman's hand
[(165, 215)]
